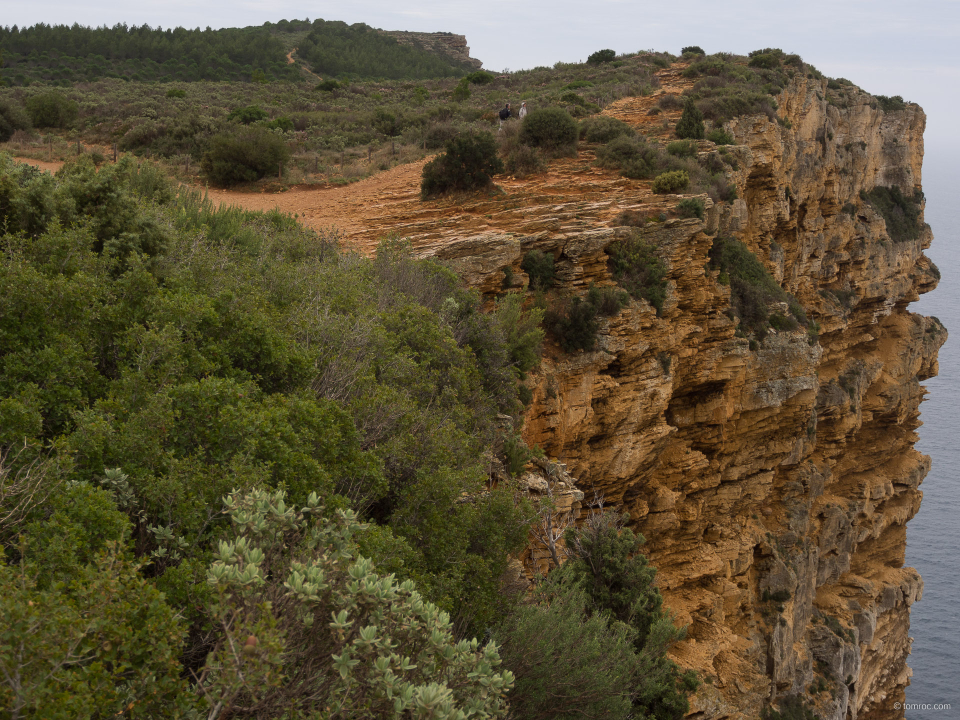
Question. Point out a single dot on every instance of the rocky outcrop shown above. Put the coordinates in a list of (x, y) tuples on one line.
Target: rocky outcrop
[(773, 481), (453, 47)]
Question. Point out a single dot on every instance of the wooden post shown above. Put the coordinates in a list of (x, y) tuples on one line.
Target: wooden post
[(114, 152), (316, 164), (369, 153), (341, 158), (78, 147), (51, 149), (280, 172), (394, 144)]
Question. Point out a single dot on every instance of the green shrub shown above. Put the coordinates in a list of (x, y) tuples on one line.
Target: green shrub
[(462, 91), (438, 136), (176, 93), (603, 129), (52, 109), (248, 115), (634, 264), (693, 49), (752, 288), (792, 707), (480, 77), (551, 129), (607, 301), (767, 61), (328, 86), (577, 84), (890, 104), (13, 117), (671, 182), (284, 124), (524, 160), (245, 155), (690, 208), (683, 148), (573, 323), (900, 212), (280, 580), (539, 267), (720, 137), (690, 124), (601, 56), (629, 154), (468, 164)]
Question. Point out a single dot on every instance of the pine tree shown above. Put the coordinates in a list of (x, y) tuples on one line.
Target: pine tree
[(691, 122)]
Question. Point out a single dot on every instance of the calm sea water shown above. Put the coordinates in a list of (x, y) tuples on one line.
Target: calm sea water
[(933, 536)]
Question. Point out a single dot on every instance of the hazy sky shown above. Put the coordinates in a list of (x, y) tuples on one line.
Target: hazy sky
[(886, 47)]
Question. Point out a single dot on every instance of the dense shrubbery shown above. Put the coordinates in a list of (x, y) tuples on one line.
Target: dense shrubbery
[(635, 265), (468, 164), (600, 618), (890, 104), (601, 56), (52, 109), (900, 212), (13, 117), (720, 137), (551, 129), (683, 148), (143, 382), (690, 208), (243, 156), (524, 160), (603, 129), (539, 267), (753, 289), (671, 182), (690, 124)]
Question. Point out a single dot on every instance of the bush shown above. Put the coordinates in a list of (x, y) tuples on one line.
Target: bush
[(280, 581), (328, 86), (462, 91), (176, 93), (603, 129), (539, 267), (439, 135), (243, 156), (524, 160), (601, 56), (671, 182), (693, 49), (690, 208), (13, 117), (247, 115), (890, 104), (720, 137), (51, 109), (468, 164), (634, 158), (634, 264), (573, 323), (752, 288), (480, 77), (551, 129), (669, 101), (900, 212), (683, 148), (690, 124)]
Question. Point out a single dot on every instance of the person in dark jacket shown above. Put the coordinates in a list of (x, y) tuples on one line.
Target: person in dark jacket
[(504, 115)]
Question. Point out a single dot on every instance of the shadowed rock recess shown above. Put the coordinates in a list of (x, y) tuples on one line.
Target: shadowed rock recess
[(773, 482)]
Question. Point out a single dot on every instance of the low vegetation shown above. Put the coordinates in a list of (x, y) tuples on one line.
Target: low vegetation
[(468, 164), (636, 267), (753, 291), (900, 212)]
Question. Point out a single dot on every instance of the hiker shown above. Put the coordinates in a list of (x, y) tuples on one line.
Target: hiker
[(523, 111), (504, 115)]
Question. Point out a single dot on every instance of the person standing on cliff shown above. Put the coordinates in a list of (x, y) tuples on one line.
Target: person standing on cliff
[(523, 111), (504, 115)]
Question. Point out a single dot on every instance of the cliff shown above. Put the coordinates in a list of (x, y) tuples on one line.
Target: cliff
[(773, 481), (773, 484), (450, 45)]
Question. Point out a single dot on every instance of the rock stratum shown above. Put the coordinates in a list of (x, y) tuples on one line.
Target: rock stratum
[(773, 485)]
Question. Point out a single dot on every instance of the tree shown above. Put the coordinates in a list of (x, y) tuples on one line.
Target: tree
[(691, 122), (601, 56), (386, 653)]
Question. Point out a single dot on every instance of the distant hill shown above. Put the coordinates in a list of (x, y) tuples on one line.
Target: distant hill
[(64, 55)]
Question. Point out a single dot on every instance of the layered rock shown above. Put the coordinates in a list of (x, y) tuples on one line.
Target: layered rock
[(451, 46), (773, 480)]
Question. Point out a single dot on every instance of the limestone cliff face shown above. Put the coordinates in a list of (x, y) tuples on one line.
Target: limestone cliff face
[(773, 484), (443, 43)]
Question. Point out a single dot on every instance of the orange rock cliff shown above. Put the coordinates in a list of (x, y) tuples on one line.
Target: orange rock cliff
[(773, 484)]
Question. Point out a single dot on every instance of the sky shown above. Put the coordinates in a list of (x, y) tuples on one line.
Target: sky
[(887, 47)]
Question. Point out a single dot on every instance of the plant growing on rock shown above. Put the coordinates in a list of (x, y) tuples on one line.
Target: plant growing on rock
[(671, 182), (551, 129), (690, 124)]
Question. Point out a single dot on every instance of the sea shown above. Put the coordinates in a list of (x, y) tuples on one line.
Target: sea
[(933, 536)]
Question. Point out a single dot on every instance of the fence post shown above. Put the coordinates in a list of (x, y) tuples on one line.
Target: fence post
[(114, 152), (280, 172)]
